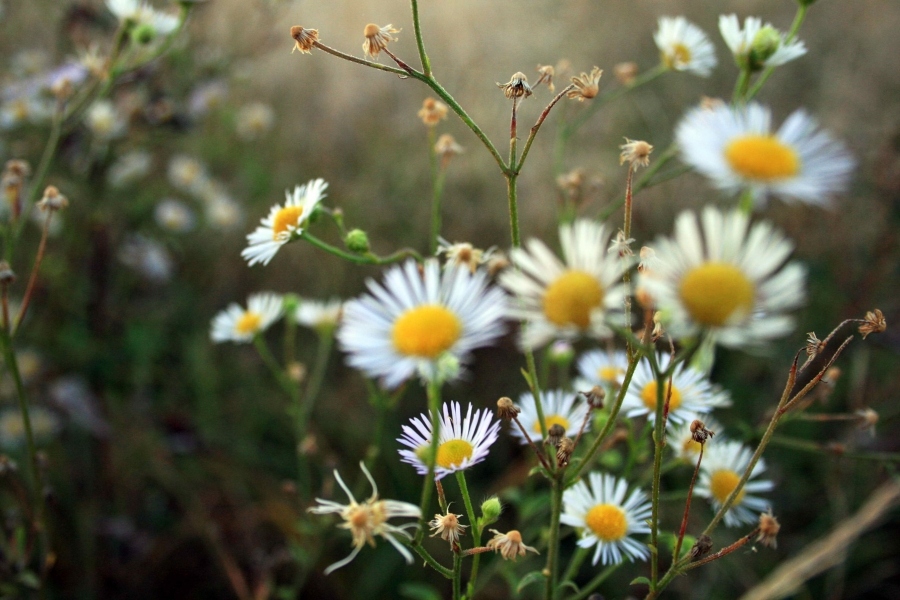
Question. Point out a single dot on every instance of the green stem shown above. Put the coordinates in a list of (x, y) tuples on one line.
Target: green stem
[(289, 386), (745, 203), (420, 43), (38, 524), (575, 563), (434, 406), (740, 87), (644, 180), (837, 451), (659, 437), (533, 133), (795, 28), (476, 530), (362, 61), (431, 561), (552, 568), (594, 583), (361, 259), (326, 341), (457, 575), (605, 98)]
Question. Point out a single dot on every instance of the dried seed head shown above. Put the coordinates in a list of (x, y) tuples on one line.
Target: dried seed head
[(658, 329), (701, 547), (516, 87), (625, 72), (506, 410), (52, 199), (564, 451), (555, 434), (446, 147), (874, 323), (813, 344), (16, 168), (595, 397), (621, 246), (636, 153), (571, 183), (304, 39), (497, 263), (546, 73), (377, 38), (432, 111), (509, 544), (768, 529), (587, 85), (448, 527), (699, 432)]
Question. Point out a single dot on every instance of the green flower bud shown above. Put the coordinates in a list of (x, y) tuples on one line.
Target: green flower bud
[(765, 44), (490, 510), (290, 303), (561, 353), (357, 241), (143, 34)]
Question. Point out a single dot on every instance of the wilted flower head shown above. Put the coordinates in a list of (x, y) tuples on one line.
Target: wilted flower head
[(635, 152), (377, 38), (304, 39), (509, 544), (432, 111), (873, 323), (369, 519), (516, 87), (52, 199), (768, 529), (587, 85), (463, 254), (546, 73), (446, 147), (448, 527), (625, 72)]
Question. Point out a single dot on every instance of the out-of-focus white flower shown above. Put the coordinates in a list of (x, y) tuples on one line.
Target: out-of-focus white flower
[(684, 46), (175, 216), (254, 120)]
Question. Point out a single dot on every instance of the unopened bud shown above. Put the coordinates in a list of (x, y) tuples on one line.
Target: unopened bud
[(595, 397), (357, 241), (555, 434), (506, 409), (490, 510), (143, 34), (764, 45), (701, 547)]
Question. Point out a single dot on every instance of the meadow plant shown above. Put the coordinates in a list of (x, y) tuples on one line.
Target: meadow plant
[(617, 338)]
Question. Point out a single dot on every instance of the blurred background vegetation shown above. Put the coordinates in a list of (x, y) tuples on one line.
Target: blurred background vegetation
[(168, 457)]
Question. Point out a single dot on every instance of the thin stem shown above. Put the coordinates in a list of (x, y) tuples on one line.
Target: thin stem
[(531, 443), (32, 279), (723, 552), (552, 568), (795, 28), (537, 126), (594, 583), (687, 507), (644, 180), (740, 86), (659, 437), (457, 573), (512, 177), (326, 341), (431, 561), (605, 98), (361, 259), (575, 564), (362, 61), (834, 450), (437, 182), (475, 528), (288, 385), (37, 523), (434, 405), (420, 43)]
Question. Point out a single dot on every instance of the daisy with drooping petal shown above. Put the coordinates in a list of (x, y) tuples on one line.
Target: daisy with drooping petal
[(728, 279), (681, 439), (570, 299), (758, 46), (603, 368), (462, 442), (319, 315), (237, 324), (560, 408), (369, 519), (606, 518), (285, 222), (721, 470), (684, 46), (421, 322), (736, 149), (691, 392)]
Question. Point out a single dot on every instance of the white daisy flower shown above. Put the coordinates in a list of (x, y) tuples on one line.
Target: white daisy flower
[(141, 13), (421, 322), (721, 470), (691, 392), (681, 438), (369, 519), (285, 222), (566, 300), (319, 315), (603, 368), (606, 519), (684, 46), (758, 46), (736, 149), (237, 324), (462, 442), (560, 408), (727, 280)]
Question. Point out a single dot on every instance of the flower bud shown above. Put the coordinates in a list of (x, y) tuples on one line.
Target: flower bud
[(357, 241), (765, 44), (490, 510)]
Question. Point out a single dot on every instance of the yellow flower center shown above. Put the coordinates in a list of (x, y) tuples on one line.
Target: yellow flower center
[(550, 421), (452, 453), (762, 157), (248, 323), (648, 395), (288, 216), (678, 56), (426, 331), (607, 521), (714, 292), (722, 483), (610, 374), (570, 299)]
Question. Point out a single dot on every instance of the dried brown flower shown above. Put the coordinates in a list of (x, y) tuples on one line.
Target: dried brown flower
[(446, 147), (448, 527), (304, 39), (595, 397), (587, 85), (377, 38), (874, 323), (635, 152), (699, 432), (701, 547), (52, 199), (546, 73), (432, 111), (555, 434), (506, 409), (516, 87), (625, 72), (564, 451), (509, 544), (768, 529)]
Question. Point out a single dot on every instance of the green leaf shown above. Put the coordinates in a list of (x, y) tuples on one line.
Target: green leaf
[(571, 585), (532, 577), (419, 591), (640, 581), (527, 378)]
